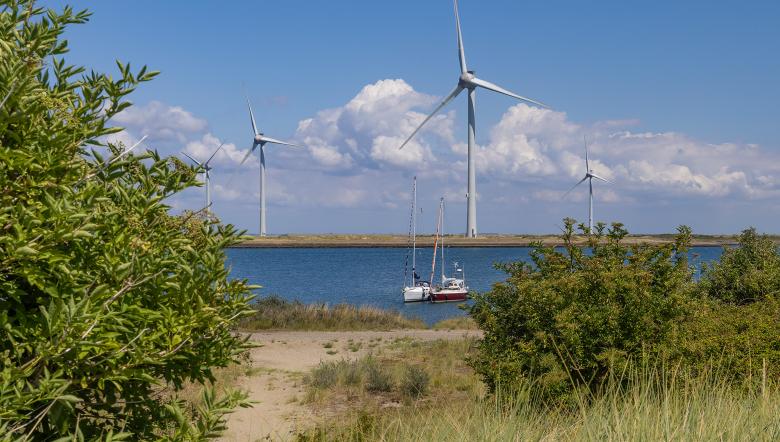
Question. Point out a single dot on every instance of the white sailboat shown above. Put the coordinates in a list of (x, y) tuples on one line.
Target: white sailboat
[(415, 290)]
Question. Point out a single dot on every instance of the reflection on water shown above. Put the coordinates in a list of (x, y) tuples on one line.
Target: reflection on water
[(374, 276)]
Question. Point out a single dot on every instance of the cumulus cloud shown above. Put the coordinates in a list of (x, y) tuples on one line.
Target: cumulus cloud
[(367, 131), (530, 143), (201, 149), (161, 121)]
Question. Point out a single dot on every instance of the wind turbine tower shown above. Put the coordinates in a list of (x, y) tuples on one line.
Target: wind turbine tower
[(207, 173), (259, 141), (589, 175), (470, 82)]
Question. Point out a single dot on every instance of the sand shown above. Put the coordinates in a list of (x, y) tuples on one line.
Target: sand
[(279, 364)]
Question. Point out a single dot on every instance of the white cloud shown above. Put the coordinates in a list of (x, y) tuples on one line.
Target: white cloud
[(367, 131), (530, 144), (201, 149), (161, 121)]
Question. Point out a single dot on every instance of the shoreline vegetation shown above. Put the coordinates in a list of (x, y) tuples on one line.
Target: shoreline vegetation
[(413, 390), (487, 240), (275, 313)]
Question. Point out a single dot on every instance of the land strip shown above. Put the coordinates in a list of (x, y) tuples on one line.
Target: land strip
[(279, 363), (398, 241)]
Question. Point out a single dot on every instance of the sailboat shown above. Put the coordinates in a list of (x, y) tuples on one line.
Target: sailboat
[(452, 289), (416, 290)]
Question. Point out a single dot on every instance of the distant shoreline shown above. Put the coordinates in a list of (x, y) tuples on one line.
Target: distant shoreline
[(400, 241)]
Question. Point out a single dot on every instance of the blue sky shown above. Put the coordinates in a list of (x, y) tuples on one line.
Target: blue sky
[(680, 98)]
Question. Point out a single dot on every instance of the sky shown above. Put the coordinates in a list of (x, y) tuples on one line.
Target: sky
[(680, 102)]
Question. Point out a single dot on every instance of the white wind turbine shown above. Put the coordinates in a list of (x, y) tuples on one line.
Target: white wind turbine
[(207, 176), (468, 80), (261, 140), (589, 175)]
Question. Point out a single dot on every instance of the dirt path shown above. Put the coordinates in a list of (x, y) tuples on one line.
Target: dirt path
[(279, 364)]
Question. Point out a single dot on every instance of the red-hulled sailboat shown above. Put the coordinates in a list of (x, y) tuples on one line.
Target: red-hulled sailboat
[(451, 289)]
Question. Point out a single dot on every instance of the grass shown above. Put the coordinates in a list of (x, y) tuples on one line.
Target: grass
[(450, 404), (275, 313), (704, 413), (404, 372), (456, 323)]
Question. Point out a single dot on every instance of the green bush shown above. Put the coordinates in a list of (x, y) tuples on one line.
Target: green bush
[(108, 304), (326, 374), (415, 382), (377, 378), (741, 341), (574, 313), (747, 273)]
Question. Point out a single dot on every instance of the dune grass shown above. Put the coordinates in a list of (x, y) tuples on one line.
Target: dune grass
[(403, 373), (456, 323), (275, 313), (640, 404)]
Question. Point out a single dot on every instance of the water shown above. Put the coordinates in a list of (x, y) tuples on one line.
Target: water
[(374, 276)]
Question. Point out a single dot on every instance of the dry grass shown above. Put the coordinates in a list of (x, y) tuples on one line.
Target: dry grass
[(402, 373), (457, 323), (274, 313), (645, 405)]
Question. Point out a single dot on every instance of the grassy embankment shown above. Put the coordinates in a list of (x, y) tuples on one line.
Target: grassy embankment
[(425, 391), (274, 313)]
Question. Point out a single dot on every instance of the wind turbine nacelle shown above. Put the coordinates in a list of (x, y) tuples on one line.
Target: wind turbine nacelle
[(465, 79), (258, 138)]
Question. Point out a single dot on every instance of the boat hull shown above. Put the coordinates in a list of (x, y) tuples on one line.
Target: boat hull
[(449, 296), (415, 294)]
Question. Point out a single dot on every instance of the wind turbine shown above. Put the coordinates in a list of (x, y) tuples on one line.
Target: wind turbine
[(589, 175), (206, 169), (468, 80), (261, 140)]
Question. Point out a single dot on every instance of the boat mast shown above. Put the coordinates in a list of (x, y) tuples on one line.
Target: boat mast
[(414, 231), (443, 263), (435, 247)]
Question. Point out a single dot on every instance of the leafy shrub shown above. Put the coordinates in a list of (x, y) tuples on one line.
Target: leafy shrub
[(575, 312), (326, 374), (742, 341), (415, 382), (108, 304), (377, 378), (747, 273)]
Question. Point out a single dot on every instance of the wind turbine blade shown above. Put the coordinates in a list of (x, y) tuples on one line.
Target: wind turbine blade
[(587, 164), (461, 52), (496, 88), (214, 154), (602, 179), (252, 116), (275, 141), (248, 153), (127, 151), (192, 159), (574, 186), (444, 102)]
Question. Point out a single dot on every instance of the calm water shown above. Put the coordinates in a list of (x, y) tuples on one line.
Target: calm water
[(375, 276)]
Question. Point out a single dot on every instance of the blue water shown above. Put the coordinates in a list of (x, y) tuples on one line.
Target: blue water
[(374, 276)]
